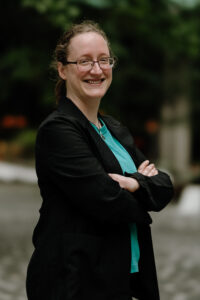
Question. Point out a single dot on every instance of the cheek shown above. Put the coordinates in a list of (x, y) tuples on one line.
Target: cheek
[(108, 73), (82, 75), (75, 75)]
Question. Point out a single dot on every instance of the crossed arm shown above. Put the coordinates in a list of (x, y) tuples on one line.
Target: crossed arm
[(65, 159), (132, 184)]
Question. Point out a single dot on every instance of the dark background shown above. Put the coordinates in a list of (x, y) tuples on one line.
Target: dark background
[(157, 44)]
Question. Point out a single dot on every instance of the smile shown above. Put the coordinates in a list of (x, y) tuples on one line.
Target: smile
[(99, 81)]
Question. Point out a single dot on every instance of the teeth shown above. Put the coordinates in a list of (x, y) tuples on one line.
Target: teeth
[(93, 82)]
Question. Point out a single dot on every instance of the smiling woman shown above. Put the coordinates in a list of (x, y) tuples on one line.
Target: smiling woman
[(85, 78), (92, 240)]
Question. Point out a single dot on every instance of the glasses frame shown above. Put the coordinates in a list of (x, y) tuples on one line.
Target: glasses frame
[(93, 62)]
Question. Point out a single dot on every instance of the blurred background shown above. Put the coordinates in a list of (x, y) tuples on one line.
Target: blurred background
[(155, 92)]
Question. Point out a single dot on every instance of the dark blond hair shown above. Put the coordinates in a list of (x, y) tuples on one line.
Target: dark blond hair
[(62, 50)]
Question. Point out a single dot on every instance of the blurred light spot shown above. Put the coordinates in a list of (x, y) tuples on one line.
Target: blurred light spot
[(11, 121), (151, 126)]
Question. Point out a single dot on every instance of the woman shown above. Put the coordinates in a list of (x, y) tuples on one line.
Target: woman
[(93, 237)]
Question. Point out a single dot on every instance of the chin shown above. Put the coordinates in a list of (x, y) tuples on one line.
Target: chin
[(96, 94)]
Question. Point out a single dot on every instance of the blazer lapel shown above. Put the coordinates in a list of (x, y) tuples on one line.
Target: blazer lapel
[(122, 134), (104, 154), (108, 159)]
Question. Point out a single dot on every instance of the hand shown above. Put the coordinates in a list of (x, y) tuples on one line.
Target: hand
[(147, 169), (127, 183)]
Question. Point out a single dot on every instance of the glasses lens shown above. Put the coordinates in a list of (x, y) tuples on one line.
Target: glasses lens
[(106, 63), (84, 64)]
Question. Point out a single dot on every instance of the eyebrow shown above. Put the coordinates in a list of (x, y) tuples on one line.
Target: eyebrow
[(89, 54)]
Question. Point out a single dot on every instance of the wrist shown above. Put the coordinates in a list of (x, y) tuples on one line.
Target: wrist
[(134, 185)]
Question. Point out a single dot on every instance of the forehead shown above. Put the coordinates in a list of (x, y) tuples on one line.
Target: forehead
[(88, 43)]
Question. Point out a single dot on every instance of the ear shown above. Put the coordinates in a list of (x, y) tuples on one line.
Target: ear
[(62, 70)]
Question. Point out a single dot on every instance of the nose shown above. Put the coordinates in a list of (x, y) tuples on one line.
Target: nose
[(96, 68)]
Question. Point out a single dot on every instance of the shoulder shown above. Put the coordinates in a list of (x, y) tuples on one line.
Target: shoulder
[(58, 121), (62, 130)]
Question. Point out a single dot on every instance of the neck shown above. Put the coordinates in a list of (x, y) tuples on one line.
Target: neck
[(88, 107)]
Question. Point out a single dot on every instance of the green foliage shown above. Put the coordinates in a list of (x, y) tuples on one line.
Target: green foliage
[(59, 12), (183, 34), (98, 4), (25, 139), (146, 36), (188, 4)]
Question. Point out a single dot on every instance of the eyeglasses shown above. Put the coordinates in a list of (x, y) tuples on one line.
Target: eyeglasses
[(84, 65)]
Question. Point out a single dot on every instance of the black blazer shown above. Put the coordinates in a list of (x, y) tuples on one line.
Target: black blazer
[(82, 239)]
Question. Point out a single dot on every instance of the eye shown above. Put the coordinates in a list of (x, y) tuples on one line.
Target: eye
[(84, 62), (104, 60)]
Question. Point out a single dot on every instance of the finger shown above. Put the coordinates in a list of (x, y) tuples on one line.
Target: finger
[(143, 165), (116, 177), (121, 180), (113, 175), (148, 169), (152, 173)]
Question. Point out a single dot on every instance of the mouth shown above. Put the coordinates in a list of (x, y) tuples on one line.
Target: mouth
[(94, 81)]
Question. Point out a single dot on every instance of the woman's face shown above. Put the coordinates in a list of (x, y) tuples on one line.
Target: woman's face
[(89, 84)]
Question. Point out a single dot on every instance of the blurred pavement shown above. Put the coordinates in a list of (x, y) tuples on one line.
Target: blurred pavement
[(176, 245), (10, 172)]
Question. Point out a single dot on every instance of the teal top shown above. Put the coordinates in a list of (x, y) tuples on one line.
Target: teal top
[(127, 165)]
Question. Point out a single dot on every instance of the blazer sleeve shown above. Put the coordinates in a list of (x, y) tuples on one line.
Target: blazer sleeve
[(65, 159), (155, 192)]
